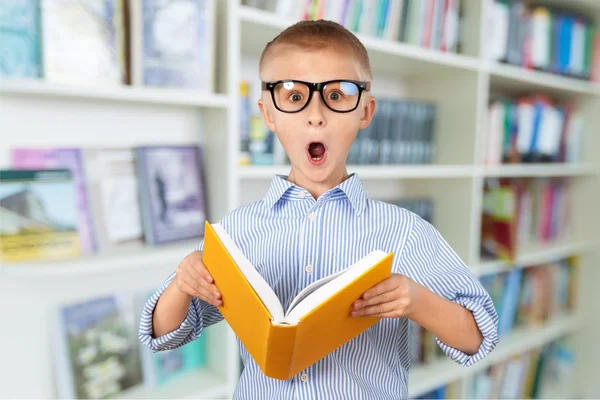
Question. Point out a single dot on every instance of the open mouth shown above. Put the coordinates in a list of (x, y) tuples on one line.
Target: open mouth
[(316, 152)]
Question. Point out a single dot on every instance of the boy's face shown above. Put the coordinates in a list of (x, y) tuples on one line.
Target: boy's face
[(317, 140)]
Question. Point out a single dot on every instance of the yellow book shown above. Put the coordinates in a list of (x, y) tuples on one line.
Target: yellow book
[(318, 321)]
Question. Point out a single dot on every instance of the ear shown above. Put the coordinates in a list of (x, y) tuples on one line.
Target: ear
[(264, 110), (368, 110)]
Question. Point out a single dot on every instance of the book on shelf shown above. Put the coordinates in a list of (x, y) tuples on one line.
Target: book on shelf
[(245, 112), (115, 200), (283, 342), (73, 160), (533, 374), (174, 43), (95, 347), (531, 296), (525, 211), (85, 43), (258, 144), (38, 215), (431, 24), (401, 132), (533, 129), (172, 192), (20, 36), (545, 38)]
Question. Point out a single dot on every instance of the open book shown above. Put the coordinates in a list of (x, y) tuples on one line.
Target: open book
[(283, 342)]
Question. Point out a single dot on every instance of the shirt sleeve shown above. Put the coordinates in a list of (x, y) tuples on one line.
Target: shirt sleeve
[(200, 315), (428, 259)]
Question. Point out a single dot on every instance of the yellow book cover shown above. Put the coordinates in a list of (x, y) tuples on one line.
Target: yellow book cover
[(318, 321)]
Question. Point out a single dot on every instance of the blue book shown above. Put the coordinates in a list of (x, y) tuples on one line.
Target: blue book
[(565, 38), (510, 301), (20, 37)]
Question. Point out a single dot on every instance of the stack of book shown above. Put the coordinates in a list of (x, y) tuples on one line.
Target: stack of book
[(401, 132), (523, 297), (524, 211), (527, 375), (543, 38), (433, 24), (533, 129), (527, 297)]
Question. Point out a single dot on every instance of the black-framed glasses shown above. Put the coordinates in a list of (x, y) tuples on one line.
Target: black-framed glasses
[(291, 96)]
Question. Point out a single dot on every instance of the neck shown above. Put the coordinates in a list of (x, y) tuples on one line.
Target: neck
[(316, 189)]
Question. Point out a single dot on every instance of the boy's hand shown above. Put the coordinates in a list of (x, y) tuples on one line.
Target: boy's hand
[(192, 278), (391, 298)]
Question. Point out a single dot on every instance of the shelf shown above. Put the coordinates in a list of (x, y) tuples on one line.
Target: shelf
[(516, 79), (541, 170), (158, 96), (373, 172), (428, 377), (201, 384), (140, 258), (259, 27), (536, 255)]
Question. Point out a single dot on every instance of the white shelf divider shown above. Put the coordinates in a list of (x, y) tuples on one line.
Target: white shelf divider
[(535, 255), (524, 78), (542, 170), (158, 96), (429, 377), (144, 257)]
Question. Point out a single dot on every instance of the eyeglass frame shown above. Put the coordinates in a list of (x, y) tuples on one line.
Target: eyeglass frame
[(316, 87)]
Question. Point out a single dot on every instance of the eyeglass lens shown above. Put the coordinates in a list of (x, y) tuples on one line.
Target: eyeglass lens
[(339, 95)]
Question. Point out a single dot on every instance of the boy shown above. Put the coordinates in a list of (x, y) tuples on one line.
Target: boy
[(318, 219)]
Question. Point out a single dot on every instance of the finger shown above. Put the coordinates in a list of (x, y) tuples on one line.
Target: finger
[(386, 297), (378, 309), (381, 287), (202, 292), (197, 282), (200, 269)]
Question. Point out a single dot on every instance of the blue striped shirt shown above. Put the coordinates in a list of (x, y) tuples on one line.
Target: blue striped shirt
[(293, 240)]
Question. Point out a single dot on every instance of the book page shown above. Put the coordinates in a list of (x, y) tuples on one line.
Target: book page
[(327, 290), (311, 288), (260, 286)]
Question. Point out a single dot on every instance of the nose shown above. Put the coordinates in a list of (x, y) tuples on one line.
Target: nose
[(316, 112)]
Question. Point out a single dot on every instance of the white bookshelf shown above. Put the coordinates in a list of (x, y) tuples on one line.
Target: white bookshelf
[(428, 377), (35, 113)]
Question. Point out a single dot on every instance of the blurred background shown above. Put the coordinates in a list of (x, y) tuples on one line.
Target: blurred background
[(124, 124)]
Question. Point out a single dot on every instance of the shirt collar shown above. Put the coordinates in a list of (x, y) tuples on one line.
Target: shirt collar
[(352, 188)]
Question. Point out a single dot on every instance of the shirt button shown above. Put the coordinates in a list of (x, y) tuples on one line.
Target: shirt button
[(312, 216), (309, 268), (302, 195), (304, 377)]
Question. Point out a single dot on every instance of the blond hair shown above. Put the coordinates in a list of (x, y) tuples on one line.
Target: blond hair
[(316, 35)]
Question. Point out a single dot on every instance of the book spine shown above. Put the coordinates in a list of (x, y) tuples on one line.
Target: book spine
[(145, 202), (279, 356)]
